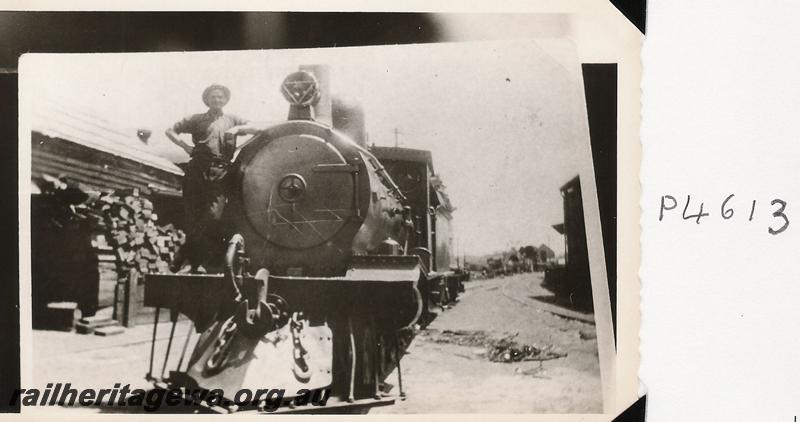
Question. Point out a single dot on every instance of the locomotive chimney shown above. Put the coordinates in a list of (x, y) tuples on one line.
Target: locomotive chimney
[(322, 110), (348, 117)]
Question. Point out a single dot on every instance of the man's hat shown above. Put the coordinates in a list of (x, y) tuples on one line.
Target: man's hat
[(222, 88)]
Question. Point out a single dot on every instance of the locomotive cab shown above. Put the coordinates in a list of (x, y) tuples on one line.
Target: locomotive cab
[(431, 211)]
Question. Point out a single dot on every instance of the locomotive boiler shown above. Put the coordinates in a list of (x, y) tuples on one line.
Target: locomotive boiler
[(320, 281)]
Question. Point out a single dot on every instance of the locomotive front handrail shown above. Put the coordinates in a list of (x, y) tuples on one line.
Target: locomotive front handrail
[(335, 168), (380, 170), (235, 250)]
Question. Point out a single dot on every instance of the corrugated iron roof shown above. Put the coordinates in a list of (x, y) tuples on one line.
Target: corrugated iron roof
[(53, 118)]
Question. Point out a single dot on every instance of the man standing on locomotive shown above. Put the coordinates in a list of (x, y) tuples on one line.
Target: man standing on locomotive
[(204, 190)]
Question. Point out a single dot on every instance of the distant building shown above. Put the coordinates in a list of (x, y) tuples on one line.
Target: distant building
[(544, 254)]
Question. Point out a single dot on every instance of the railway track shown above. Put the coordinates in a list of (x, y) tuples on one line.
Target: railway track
[(524, 300)]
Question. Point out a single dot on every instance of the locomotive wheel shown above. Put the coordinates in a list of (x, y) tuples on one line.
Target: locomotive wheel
[(427, 294)]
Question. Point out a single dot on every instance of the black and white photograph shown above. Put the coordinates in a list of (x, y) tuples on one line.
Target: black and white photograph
[(394, 229)]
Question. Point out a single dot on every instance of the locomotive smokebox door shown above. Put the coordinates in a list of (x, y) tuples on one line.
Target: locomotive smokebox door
[(287, 201)]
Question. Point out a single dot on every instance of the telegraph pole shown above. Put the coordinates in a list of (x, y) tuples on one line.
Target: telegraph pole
[(396, 137)]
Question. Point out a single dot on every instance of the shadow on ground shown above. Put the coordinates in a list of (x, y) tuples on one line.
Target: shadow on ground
[(562, 302)]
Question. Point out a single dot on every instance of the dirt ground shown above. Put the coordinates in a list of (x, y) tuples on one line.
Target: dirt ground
[(447, 369), (441, 377)]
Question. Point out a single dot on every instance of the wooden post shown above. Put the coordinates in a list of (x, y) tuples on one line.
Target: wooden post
[(127, 305)]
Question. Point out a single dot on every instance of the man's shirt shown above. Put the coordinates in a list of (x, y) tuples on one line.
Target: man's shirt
[(208, 134)]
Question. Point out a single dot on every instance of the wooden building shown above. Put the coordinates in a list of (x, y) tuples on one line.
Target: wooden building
[(72, 259), (544, 254), (572, 281)]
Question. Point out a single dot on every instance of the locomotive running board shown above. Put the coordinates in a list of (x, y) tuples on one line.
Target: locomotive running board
[(388, 268), (197, 295)]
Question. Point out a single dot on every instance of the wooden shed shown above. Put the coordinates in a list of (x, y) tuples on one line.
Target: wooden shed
[(572, 281), (72, 258)]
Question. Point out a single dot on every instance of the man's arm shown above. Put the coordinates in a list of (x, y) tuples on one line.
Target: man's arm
[(176, 139), (245, 129), (229, 137)]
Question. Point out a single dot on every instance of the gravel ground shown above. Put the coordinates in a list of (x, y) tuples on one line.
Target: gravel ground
[(450, 378)]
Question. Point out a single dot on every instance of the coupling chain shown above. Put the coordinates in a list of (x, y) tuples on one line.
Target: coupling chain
[(222, 346), (301, 368)]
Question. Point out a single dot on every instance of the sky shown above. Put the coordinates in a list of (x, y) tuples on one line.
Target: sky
[(504, 120)]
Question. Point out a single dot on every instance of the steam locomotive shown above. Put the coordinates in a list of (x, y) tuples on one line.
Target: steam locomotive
[(350, 251)]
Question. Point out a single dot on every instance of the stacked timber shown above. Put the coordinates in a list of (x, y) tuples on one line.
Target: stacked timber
[(125, 235), (140, 246), (137, 241)]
